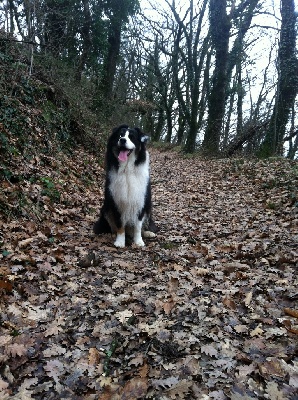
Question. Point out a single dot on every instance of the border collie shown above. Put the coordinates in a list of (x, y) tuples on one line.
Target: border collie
[(127, 202)]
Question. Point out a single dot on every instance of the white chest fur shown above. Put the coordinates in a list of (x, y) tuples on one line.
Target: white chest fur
[(128, 187)]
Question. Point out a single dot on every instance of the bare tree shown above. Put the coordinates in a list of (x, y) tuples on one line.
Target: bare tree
[(287, 87), (225, 61), (86, 39), (118, 12), (220, 26)]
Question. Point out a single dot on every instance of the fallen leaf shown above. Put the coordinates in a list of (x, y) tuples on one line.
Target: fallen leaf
[(25, 242), (135, 389), (3, 386), (257, 331), (168, 306), (124, 316), (271, 368), (229, 302), (209, 350), (16, 349), (241, 328), (54, 369), (248, 298), (273, 392), (180, 390), (291, 312), (289, 328), (93, 356), (5, 285)]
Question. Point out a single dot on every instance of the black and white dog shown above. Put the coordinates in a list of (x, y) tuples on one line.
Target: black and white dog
[(127, 202)]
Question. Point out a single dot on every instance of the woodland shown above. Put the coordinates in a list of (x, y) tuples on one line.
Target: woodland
[(208, 309)]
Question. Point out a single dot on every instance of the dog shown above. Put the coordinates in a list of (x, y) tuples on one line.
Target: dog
[(127, 199)]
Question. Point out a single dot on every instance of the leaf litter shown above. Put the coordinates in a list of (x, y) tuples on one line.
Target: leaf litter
[(207, 310)]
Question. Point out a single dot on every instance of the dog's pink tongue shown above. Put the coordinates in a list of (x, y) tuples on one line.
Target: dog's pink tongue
[(123, 155)]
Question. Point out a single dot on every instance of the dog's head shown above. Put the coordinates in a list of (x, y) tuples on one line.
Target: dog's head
[(125, 140)]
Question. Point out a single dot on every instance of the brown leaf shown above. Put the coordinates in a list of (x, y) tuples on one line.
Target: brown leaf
[(144, 370), (16, 349), (173, 285), (109, 394), (168, 306), (229, 302), (272, 368), (291, 312), (288, 326), (135, 389), (93, 356), (5, 285)]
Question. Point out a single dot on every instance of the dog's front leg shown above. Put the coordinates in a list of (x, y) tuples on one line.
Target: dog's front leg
[(120, 238), (137, 238)]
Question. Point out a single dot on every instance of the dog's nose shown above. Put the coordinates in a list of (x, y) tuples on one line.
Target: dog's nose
[(122, 141)]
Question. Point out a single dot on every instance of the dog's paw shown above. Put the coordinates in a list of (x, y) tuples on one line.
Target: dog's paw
[(139, 243), (149, 234), (119, 242)]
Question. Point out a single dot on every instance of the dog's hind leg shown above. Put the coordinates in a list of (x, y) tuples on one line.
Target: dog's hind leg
[(149, 228), (102, 226)]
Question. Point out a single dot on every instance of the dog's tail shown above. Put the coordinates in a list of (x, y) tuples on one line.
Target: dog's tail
[(101, 226)]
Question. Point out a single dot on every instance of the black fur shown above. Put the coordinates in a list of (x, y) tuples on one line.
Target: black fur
[(109, 214)]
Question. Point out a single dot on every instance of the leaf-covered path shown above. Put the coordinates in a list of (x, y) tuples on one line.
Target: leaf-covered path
[(207, 310)]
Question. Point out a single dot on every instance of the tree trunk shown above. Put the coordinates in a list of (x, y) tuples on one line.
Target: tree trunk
[(11, 12), (114, 41), (87, 43), (220, 33), (287, 83), (55, 26), (157, 132), (191, 139), (293, 139), (181, 127)]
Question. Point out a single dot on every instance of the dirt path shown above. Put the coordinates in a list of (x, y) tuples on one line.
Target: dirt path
[(207, 310)]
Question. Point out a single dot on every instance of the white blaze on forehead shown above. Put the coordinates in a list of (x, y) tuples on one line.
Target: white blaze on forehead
[(129, 144), (125, 135)]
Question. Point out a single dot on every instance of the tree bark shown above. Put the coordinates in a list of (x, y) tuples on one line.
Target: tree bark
[(55, 25), (287, 83), (87, 43), (220, 26)]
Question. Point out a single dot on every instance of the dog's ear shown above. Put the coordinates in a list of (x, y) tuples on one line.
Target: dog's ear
[(118, 128), (143, 137)]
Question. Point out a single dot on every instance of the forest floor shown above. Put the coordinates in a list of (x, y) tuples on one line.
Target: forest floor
[(207, 310)]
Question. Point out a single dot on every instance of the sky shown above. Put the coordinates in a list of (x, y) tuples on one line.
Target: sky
[(261, 42)]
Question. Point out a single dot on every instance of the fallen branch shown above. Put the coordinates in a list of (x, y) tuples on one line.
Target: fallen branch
[(239, 141)]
